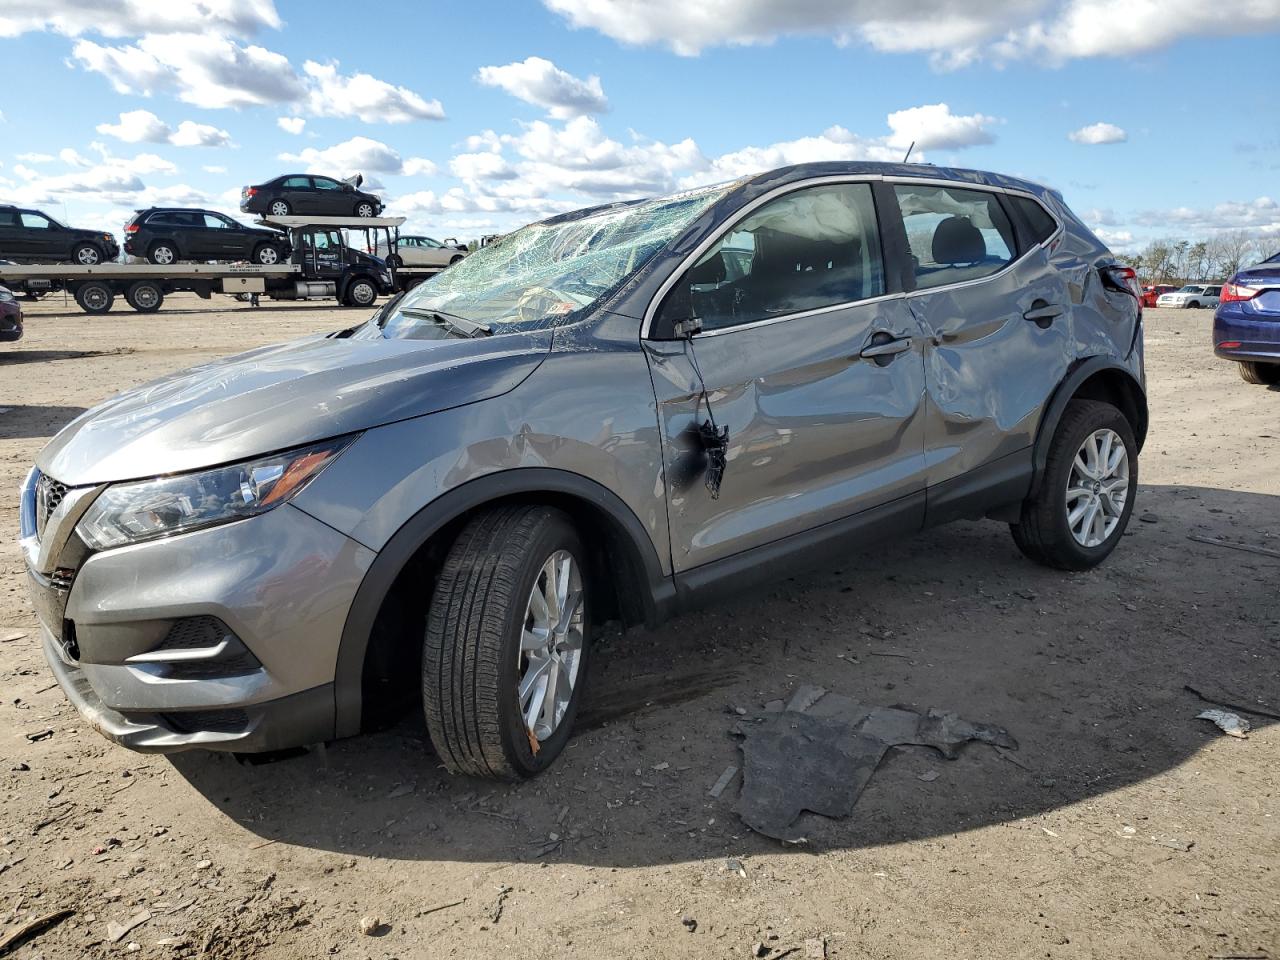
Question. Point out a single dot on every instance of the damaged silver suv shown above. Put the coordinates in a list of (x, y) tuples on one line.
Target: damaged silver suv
[(612, 414)]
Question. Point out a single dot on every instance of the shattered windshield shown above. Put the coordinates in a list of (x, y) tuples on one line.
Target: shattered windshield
[(539, 275)]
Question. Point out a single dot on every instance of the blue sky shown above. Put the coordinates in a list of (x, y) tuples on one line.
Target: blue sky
[(475, 117)]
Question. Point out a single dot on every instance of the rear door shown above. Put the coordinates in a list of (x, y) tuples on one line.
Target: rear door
[(11, 239), (997, 323), (815, 370), (298, 193)]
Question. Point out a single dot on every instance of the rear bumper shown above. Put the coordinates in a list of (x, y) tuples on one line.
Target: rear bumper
[(1258, 337)]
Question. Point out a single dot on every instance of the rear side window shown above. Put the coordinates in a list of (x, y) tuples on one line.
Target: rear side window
[(1042, 225), (297, 183), (1213, 291), (816, 247), (954, 234), (8, 218)]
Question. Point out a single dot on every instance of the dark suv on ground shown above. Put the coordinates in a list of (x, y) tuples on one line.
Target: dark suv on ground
[(617, 413), (302, 194), (165, 235), (29, 236)]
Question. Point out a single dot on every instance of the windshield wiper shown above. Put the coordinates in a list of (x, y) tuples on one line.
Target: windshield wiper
[(468, 328)]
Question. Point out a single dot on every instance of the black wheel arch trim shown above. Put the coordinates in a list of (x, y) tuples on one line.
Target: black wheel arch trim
[(1067, 390), (657, 593)]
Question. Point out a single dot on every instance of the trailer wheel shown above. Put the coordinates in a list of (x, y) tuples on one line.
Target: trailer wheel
[(361, 293), (94, 297), (145, 296)]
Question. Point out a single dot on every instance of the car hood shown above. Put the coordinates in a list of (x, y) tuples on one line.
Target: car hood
[(283, 396)]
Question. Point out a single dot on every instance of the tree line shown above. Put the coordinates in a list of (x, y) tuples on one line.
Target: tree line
[(1217, 258)]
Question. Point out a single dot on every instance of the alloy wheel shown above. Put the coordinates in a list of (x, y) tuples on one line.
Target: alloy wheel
[(88, 256), (1097, 487), (163, 255), (551, 645)]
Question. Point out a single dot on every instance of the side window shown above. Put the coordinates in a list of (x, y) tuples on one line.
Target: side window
[(35, 221), (324, 183), (8, 218), (816, 247), (297, 183), (1213, 291), (1042, 225), (215, 222), (428, 242), (954, 234)]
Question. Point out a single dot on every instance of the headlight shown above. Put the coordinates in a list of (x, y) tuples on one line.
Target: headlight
[(5, 296), (130, 512)]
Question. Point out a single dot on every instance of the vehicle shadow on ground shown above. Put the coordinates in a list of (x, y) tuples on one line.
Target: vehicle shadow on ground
[(217, 306), (20, 422), (13, 357), (1085, 670)]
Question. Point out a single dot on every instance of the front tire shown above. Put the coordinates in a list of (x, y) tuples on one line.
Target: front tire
[(361, 293), (1086, 495), (1267, 374), (364, 209), (86, 255), (507, 643), (267, 255)]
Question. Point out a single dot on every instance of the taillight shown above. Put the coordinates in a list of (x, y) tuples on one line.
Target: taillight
[(1234, 292), (1122, 279), (131, 228), (250, 191)]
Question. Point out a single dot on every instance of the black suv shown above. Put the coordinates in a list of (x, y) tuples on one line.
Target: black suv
[(167, 235), (29, 236), (300, 194)]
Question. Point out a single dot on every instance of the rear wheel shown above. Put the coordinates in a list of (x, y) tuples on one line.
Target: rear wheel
[(1085, 498), (94, 297), (86, 254), (145, 296), (1264, 373), (507, 643), (279, 208), (163, 252)]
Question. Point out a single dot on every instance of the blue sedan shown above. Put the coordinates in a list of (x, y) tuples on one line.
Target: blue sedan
[(1246, 325)]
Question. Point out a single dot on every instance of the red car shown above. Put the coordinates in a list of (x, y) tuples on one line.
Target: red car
[(10, 317), (1151, 292)]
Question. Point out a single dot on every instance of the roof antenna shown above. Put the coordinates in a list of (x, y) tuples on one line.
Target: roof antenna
[(909, 149)]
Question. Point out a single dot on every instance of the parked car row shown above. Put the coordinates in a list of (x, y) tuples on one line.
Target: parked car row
[(167, 235), (1191, 296)]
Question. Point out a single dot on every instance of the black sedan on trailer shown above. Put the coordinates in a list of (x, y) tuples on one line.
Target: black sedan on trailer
[(29, 236), (165, 235), (297, 194)]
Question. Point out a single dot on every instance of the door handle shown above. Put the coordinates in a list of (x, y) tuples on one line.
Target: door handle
[(1043, 313), (883, 348)]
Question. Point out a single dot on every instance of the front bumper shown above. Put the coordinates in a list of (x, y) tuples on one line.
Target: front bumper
[(276, 587), (1258, 335)]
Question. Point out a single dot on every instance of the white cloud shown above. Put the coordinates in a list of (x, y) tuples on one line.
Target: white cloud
[(128, 18), (834, 143), (35, 157), (481, 166), (359, 155), (953, 34), (1098, 133), (213, 168), (363, 97), (1260, 216), (543, 84), (143, 126), (934, 126), (293, 125), (72, 158)]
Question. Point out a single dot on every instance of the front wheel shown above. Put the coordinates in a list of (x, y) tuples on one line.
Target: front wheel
[(86, 255), (1085, 498), (267, 255), (361, 293), (507, 643), (1262, 373), (364, 209)]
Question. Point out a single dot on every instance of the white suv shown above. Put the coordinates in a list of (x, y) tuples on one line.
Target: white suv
[(1192, 295)]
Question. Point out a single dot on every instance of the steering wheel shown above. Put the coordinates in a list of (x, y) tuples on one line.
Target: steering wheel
[(537, 303)]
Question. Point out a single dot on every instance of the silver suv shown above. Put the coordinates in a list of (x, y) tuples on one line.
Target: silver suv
[(613, 414)]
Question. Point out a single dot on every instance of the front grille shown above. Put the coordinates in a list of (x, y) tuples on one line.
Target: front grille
[(211, 721), (49, 495)]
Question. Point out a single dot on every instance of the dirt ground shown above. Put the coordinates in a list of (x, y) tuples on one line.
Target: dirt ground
[(1123, 827)]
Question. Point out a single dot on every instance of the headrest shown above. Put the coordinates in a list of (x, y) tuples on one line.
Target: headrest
[(956, 240), (709, 271)]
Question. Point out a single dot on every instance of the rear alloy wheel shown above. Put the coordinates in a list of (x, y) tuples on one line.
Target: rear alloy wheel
[(267, 255), (364, 209), (86, 255), (1263, 373), (1086, 494), (361, 293), (507, 643), (163, 253), (94, 297), (279, 208), (145, 296)]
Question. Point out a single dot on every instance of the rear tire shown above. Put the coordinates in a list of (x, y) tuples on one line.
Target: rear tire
[(94, 297), (1044, 531), (1267, 374), (279, 208), (144, 296), (482, 622), (163, 253)]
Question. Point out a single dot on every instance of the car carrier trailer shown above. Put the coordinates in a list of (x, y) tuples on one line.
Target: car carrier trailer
[(324, 264)]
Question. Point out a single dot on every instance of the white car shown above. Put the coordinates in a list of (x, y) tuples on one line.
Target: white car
[(425, 252), (1192, 295)]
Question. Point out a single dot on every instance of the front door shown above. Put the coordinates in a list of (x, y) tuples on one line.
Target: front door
[(997, 318), (323, 255), (41, 238), (816, 373)]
